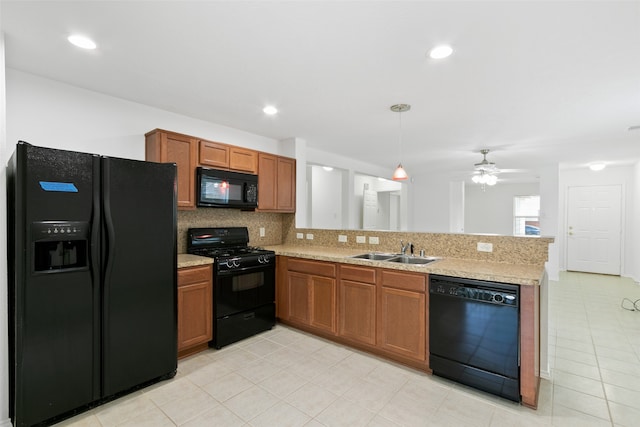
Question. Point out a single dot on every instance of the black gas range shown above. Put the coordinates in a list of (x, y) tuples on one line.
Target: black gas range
[(243, 282)]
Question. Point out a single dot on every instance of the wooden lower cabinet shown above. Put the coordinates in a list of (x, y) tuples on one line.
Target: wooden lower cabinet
[(311, 294), (357, 304), (402, 323), (195, 309)]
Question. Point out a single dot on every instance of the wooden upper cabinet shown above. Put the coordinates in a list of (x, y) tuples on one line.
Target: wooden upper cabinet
[(267, 182), (223, 156), (243, 160), (213, 154), (168, 147), (286, 184), (276, 183)]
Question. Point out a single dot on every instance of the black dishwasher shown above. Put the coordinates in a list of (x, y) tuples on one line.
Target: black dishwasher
[(474, 333)]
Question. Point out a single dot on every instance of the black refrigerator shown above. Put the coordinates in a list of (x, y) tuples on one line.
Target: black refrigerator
[(92, 280)]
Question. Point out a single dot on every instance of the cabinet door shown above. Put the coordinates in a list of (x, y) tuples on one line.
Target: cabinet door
[(267, 182), (323, 303), (286, 185), (402, 322), (195, 303), (243, 160), (213, 154), (357, 311), (298, 297), (168, 147)]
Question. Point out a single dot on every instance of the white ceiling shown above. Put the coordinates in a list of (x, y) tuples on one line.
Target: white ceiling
[(536, 82)]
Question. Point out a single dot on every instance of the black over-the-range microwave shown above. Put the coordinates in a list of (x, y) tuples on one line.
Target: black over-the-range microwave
[(225, 189)]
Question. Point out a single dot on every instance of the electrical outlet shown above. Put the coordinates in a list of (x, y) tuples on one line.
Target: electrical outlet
[(361, 239), (309, 236), (262, 232), (374, 240), (342, 238), (299, 236), (485, 247)]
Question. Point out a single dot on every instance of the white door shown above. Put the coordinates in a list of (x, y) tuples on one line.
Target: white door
[(594, 229), (369, 210)]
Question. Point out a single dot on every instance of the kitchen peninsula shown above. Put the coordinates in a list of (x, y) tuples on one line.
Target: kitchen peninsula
[(383, 307)]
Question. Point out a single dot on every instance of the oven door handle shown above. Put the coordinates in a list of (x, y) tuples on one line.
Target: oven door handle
[(243, 270)]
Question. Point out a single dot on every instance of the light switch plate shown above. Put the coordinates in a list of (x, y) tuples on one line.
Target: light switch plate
[(299, 236), (309, 236), (342, 238), (361, 239), (262, 232), (374, 240)]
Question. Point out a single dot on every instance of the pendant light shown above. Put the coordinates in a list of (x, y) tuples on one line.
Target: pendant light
[(400, 174)]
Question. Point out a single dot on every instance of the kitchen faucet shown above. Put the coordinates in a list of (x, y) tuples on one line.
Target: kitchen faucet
[(403, 247)]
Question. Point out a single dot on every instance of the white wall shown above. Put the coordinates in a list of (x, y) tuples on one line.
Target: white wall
[(430, 198), (633, 270), (491, 211), (620, 175), (4, 346), (51, 114), (326, 198), (550, 215)]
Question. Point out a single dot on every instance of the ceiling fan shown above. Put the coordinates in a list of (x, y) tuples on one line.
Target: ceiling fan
[(485, 172)]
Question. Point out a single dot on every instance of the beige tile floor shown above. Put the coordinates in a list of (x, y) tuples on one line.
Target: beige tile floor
[(287, 378)]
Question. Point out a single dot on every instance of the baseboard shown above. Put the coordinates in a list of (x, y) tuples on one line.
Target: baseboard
[(545, 374), (6, 423)]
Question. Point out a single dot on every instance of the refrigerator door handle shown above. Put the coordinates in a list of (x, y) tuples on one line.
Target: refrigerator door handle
[(109, 240), (96, 273)]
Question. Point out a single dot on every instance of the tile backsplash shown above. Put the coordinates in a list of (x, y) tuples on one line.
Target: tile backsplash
[(280, 229), (220, 217), (508, 249)]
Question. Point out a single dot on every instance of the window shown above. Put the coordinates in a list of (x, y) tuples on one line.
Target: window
[(526, 215)]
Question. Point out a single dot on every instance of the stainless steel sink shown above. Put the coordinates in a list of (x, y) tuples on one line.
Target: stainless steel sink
[(375, 256), (404, 259)]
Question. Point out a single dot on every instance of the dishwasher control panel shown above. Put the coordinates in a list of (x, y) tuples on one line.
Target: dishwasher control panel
[(475, 290)]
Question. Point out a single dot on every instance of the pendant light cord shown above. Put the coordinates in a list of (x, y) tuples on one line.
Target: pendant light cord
[(400, 122)]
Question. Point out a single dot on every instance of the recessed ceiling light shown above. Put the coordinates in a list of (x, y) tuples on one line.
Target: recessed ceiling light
[(327, 168), (270, 110), (81, 41), (597, 166), (440, 52)]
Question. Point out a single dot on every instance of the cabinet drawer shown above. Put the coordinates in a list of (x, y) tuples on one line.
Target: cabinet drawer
[(358, 274), (318, 268), (411, 282), (190, 275)]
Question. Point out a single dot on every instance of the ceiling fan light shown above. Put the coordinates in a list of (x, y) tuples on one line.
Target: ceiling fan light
[(476, 179), (491, 179), (400, 174)]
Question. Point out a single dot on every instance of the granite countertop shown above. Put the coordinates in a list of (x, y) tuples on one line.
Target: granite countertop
[(519, 274), (188, 260)]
